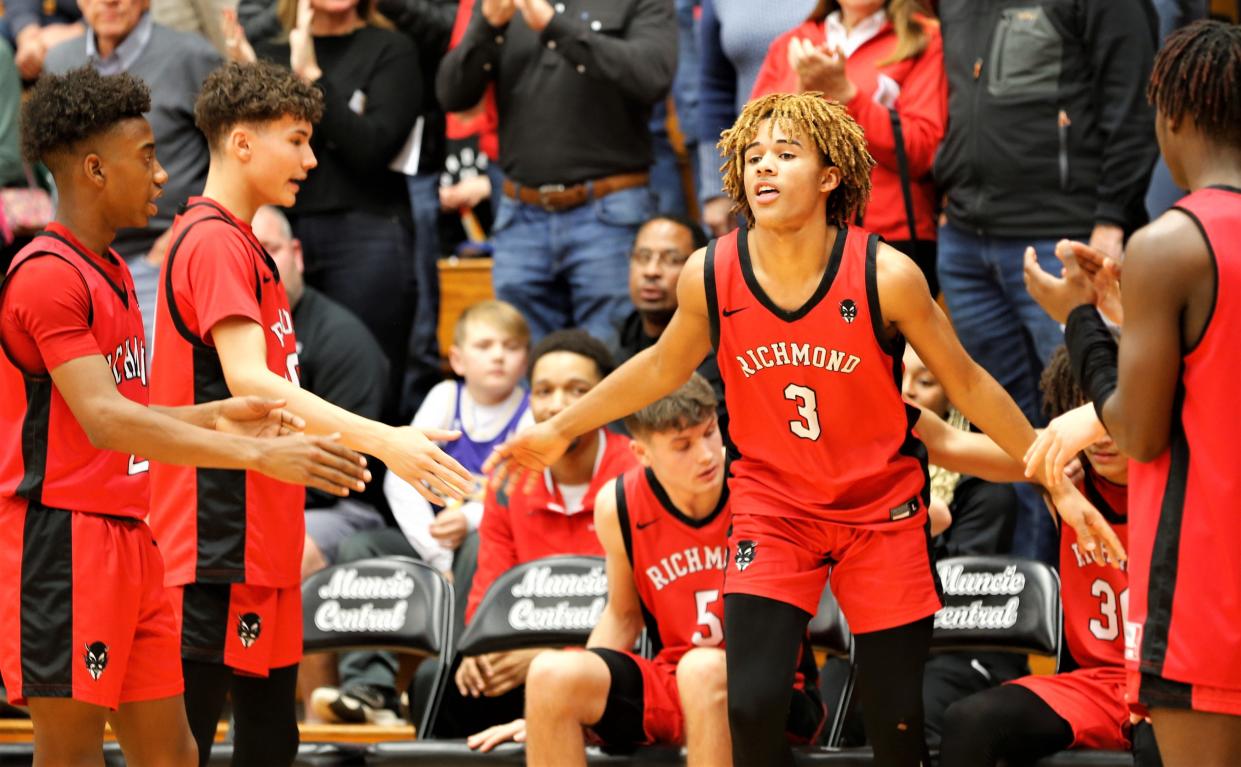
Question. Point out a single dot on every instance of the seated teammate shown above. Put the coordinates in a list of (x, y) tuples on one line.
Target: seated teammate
[(87, 632), (664, 529), (1083, 706)]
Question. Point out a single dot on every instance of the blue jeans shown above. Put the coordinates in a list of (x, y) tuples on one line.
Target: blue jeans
[(569, 268), (424, 351), (1009, 334)]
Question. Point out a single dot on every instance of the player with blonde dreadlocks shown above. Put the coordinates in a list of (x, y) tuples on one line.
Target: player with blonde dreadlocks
[(808, 315)]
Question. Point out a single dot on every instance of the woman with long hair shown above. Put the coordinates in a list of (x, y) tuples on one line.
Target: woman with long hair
[(883, 60)]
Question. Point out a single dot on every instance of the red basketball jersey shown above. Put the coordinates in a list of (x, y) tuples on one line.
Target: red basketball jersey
[(45, 456), (678, 564), (1185, 545), (217, 525), (1095, 595), (816, 418)]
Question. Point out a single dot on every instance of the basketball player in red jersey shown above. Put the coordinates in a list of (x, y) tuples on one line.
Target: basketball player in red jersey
[(808, 317), (664, 529), (1083, 706), (233, 540), (1168, 397), (86, 629)]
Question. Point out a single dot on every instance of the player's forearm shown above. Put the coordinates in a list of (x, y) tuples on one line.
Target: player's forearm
[(616, 630), (203, 416), (977, 455), (128, 427), (321, 416), (985, 403), (644, 378)]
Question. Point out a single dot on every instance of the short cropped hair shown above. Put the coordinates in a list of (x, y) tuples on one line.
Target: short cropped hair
[(576, 341), (698, 238), (692, 404), (64, 110), (500, 315), (253, 93)]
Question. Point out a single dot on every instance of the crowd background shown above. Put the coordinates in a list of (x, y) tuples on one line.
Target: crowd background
[(573, 142)]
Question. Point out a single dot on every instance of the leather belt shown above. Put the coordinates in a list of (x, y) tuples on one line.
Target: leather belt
[(557, 197)]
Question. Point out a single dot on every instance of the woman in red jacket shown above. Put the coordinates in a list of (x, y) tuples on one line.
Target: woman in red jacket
[(883, 60)]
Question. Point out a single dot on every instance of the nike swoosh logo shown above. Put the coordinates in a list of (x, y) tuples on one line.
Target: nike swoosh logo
[(731, 312), (646, 524)]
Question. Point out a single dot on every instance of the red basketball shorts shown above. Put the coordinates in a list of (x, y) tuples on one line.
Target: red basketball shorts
[(644, 705), (251, 629), (1150, 691), (881, 578), (1091, 700), (83, 609)]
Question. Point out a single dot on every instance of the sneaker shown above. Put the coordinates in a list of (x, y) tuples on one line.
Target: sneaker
[(357, 704)]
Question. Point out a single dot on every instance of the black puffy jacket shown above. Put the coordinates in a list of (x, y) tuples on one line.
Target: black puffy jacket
[(1049, 131)]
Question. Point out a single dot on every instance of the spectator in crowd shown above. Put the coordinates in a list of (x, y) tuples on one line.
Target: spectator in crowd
[(429, 24), (667, 181), (734, 36), (554, 517), (883, 59), (353, 214), (37, 26), (1049, 136), (339, 361), (121, 37), (11, 168), (490, 345), (663, 245), (574, 93), (200, 17), (1173, 14)]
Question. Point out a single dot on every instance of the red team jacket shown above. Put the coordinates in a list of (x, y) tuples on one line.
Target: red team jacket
[(1184, 568), (49, 460), (814, 395), (521, 527), (216, 525), (678, 565)]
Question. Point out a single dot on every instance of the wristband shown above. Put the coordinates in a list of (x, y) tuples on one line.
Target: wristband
[(1092, 354)]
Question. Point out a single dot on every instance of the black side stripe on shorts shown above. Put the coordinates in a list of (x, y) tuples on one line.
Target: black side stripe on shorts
[(204, 621), (47, 603), (1165, 554), (35, 428)]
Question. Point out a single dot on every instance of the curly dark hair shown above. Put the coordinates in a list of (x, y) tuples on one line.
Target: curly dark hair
[(1198, 73), (63, 110), (577, 341), (1060, 390), (253, 93)]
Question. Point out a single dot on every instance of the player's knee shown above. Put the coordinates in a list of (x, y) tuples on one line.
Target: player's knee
[(968, 721), (556, 680), (702, 676)]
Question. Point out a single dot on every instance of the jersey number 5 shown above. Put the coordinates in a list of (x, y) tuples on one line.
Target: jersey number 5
[(715, 632), (807, 407)]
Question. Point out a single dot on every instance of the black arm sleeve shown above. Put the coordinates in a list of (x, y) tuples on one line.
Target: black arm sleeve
[(1093, 355)]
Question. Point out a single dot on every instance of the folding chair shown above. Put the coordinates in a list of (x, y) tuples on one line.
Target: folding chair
[(387, 603), (829, 632)]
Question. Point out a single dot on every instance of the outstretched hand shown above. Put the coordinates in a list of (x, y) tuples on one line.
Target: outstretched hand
[(525, 455), (319, 462), (256, 417), (412, 454), (493, 736), (1095, 536), (1057, 445), (1104, 273)]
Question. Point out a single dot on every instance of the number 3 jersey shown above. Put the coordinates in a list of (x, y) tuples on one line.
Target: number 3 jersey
[(816, 421), (678, 564), (219, 525), (1095, 595)]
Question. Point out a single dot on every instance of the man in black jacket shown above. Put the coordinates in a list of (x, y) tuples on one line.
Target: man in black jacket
[(1049, 136)]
